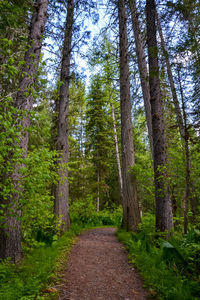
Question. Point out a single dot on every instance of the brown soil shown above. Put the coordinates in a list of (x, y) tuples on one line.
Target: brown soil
[(98, 269)]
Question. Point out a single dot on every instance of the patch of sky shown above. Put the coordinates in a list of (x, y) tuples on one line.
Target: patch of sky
[(87, 29)]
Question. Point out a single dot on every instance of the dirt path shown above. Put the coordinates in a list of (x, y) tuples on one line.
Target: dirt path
[(98, 269)]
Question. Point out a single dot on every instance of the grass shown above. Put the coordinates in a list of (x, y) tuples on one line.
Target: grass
[(160, 264), (40, 268), (40, 271)]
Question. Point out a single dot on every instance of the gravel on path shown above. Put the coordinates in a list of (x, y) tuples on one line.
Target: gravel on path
[(98, 269)]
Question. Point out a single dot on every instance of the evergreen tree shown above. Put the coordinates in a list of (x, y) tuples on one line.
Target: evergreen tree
[(62, 188), (99, 134), (164, 220), (131, 213)]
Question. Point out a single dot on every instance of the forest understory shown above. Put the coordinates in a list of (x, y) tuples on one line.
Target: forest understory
[(99, 126)]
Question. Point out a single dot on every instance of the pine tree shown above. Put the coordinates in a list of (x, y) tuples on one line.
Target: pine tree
[(99, 134), (164, 220), (140, 52), (62, 188), (131, 213)]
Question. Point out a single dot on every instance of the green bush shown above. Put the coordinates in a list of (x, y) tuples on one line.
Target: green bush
[(164, 265), (38, 205), (26, 280), (85, 213)]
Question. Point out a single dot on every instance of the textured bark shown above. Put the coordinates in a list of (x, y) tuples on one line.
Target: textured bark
[(163, 203), (179, 116), (62, 188), (142, 65), (131, 213), (10, 236), (117, 152), (182, 123)]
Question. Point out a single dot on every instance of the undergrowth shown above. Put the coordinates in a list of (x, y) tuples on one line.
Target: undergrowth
[(26, 280), (167, 267), (85, 213), (43, 264)]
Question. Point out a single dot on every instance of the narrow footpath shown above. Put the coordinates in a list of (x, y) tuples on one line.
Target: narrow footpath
[(98, 269)]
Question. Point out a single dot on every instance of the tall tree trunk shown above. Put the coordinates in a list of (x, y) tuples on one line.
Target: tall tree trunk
[(62, 188), (117, 152), (181, 119), (164, 221), (10, 235), (142, 68), (187, 158), (171, 81), (131, 213)]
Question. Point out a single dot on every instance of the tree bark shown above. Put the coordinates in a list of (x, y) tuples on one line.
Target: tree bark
[(62, 188), (181, 119), (142, 68), (131, 213), (164, 221), (10, 235), (187, 158), (117, 152), (179, 116)]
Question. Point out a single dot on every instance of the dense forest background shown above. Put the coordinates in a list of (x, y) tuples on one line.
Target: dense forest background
[(100, 123)]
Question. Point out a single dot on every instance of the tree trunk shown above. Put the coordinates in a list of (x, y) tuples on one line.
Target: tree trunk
[(98, 192), (117, 152), (171, 81), (131, 213), (181, 120), (62, 188), (164, 221), (142, 68), (10, 235), (187, 158)]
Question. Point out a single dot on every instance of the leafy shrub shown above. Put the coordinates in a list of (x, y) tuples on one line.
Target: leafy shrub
[(165, 266), (26, 280), (85, 212), (38, 215)]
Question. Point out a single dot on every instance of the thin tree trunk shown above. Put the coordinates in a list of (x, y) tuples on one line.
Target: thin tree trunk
[(142, 68), (187, 157), (10, 236), (98, 192), (117, 152), (181, 120), (171, 81), (164, 221), (62, 188), (187, 182), (131, 213)]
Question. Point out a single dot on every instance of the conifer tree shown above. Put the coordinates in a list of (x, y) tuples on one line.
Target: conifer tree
[(131, 213), (99, 134), (140, 53), (164, 220), (62, 188)]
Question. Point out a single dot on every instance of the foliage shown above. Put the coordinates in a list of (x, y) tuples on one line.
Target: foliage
[(100, 144), (36, 271), (171, 268), (38, 214), (143, 167), (84, 212), (164, 265)]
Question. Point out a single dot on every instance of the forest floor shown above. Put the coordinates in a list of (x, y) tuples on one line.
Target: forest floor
[(98, 269)]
